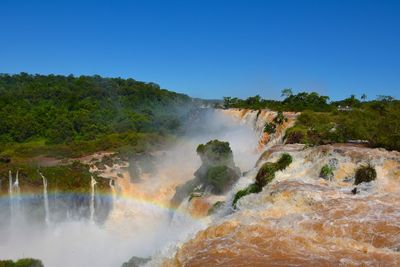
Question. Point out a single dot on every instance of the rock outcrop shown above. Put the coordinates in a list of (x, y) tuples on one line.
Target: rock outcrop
[(215, 176)]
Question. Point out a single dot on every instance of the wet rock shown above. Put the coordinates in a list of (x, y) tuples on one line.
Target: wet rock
[(326, 172), (136, 262), (333, 162), (217, 172), (348, 179), (354, 191)]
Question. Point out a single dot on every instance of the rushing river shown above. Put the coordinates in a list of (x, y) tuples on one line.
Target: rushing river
[(303, 220)]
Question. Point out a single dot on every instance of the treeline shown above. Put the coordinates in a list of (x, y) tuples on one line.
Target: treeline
[(376, 122), (292, 102), (56, 109)]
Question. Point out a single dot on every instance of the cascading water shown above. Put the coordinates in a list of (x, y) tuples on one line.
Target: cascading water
[(301, 219), (17, 196), (297, 214), (45, 199), (10, 194), (257, 119), (92, 197), (113, 190), (10, 184)]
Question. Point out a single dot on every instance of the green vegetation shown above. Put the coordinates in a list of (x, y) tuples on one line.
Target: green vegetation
[(68, 177), (217, 172), (366, 173), (219, 177), (67, 115), (21, 263), (326, 172), (264, 176), (215, 153), (270, 127), (375, 122), (299, 102), (217, 205), (253, 188), (64, 117), (135, 262), (284, 161)]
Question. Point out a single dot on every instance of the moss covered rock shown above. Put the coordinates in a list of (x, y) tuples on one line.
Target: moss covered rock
[(326, 172), (221, 178), (264, 176), (136, 262), (216, 206), (217, 172), (365, 174), (253, 188), (215, 153), (284, 161)]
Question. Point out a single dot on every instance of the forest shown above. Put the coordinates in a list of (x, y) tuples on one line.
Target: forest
[(68, 115)]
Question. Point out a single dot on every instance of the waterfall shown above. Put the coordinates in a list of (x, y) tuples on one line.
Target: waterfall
[(92, 185), (16, 183), (10, 193), (16, 189), (10, 185), (114, 193), (45, 199)]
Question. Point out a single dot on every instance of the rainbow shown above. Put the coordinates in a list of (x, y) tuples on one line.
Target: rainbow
[(126, 198)]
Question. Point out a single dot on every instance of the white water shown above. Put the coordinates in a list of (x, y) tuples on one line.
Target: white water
[(45, 199), (10, 194), (10, 184), (113, 190), (300, 219), (139, 223), (92, 195)]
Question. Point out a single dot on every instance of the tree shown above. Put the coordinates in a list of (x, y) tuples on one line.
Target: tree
[(363, 97), (286, 92), (385, 98)]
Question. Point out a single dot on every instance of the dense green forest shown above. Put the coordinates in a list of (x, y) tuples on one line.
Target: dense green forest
[(323, 122), (78, 114)]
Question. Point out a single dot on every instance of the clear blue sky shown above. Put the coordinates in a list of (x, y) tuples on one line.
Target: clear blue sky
[(211, 49)]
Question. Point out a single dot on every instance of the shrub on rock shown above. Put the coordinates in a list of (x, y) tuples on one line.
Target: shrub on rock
[(217, 172), (284, 161), (221, 178), (253, 188), (215, 152), (266, 174), (365, 174), (326, 172)]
